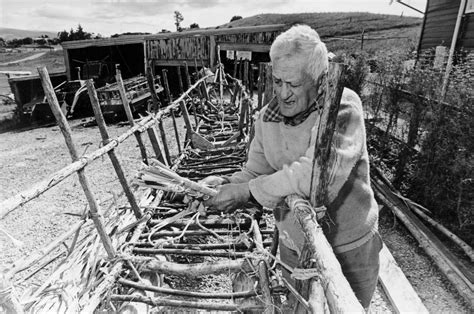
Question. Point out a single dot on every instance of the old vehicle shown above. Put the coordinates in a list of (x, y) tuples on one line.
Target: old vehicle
[(138, 95), (73, 98)]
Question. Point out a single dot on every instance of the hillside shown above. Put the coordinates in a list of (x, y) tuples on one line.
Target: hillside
[(332, 24), (11, 33)]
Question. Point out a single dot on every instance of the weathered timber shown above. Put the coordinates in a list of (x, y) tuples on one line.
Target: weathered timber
[(457, 274), (192, 270), (113, 157), (198, 233), (201, 246), (166, 86), (463, 245), (268, 95), (66, 130), (164, 141), (192, 294), (225, 254), (128, 112), (338, 292), (183, 303), (176, 133), (397, 287)]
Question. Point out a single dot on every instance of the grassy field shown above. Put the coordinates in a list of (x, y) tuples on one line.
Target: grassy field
[(53, 60), (332, 24)]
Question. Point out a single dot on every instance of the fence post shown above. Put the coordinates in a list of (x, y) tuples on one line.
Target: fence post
[(113, 157), (66, 130), (128, 112)]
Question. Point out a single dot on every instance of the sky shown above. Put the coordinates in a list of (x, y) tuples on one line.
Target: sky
[(107, 17)]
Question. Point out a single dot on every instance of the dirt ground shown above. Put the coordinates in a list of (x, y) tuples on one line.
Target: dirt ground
[(28, 156)]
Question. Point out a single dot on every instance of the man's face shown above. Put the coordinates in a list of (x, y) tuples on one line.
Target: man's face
[(294, 89)]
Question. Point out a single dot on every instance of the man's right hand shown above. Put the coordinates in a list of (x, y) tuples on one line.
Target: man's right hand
[(214, 181)]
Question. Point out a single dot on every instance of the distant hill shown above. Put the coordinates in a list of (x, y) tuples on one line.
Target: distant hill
[(11, 33), (331, 24)]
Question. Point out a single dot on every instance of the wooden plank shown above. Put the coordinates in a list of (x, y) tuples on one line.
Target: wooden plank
[(163, 62), (402, 296), (460, 276), (245, 47)]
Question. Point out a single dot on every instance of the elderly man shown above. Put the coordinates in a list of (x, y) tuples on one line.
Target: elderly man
[(280, 162)]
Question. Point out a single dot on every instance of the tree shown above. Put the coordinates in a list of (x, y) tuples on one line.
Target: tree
[(194, 25), (78, 34), (235, 18), (178, 18)]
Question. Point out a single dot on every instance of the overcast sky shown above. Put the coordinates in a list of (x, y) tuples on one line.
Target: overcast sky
[(108, 17)]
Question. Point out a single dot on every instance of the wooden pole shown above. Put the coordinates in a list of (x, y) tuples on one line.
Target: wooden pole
[(151, 86), (245, 79), (164, 141), (180, 80), (166, 86), (176, 133), (66, 130), (204, 91), (268, 84), (113, 157), (260, 85), (338, 292), (251, 78), (213, 307), (186, 73), (128, 112)]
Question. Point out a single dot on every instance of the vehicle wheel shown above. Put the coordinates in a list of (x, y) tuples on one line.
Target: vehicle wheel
[(151, 107)]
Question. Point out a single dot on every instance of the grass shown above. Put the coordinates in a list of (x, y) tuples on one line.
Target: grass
[(17, 55), (53, 60), (332, 24)]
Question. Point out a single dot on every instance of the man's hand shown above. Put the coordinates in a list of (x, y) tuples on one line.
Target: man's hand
[(230, 197), (214, 180)]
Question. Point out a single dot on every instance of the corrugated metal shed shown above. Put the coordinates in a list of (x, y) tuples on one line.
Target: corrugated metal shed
[(438, 26)]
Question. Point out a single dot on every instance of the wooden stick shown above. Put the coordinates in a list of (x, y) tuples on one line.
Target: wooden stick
[(164, 141), (192, 270), (110, 278), (153, 135), (185, 304), (186, 74), (260, 85), (268, 84), (113, 157), (66, 130), (234, 295), (176, 133), (463, 245), (460, 277), (180, 80), (128, 112), (225, 254), (251, 78), (205, 246), (262, 270), (166, 86), (152, 88), (341, 298), (199, 233)]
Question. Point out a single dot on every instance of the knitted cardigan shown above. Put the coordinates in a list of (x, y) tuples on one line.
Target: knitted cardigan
[(280, 163)]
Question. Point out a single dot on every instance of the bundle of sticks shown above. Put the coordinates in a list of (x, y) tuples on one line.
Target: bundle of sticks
[(160, 177)]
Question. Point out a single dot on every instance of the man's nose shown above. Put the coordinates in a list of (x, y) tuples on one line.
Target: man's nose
[(285, 92)]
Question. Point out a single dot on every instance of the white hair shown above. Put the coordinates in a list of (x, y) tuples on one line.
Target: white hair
[(302, 41)]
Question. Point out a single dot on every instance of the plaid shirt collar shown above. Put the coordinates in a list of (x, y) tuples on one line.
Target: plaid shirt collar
[(273, 114)]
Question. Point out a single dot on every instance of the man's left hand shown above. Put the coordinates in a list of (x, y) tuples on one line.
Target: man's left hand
[(230, 197)]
